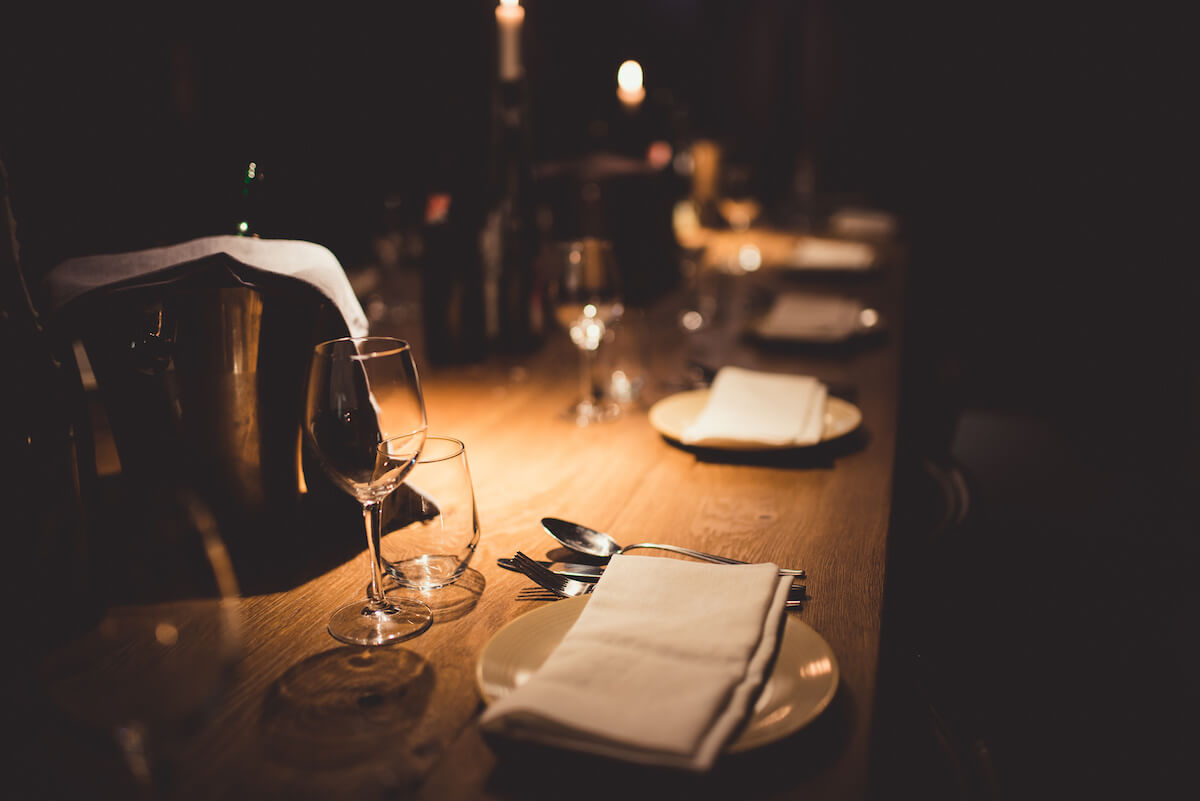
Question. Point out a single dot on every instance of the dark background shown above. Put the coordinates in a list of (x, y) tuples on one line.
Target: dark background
[(1040, 161)]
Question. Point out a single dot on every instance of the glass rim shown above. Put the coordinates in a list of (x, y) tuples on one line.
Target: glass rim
[(458, 447), (397, 346)]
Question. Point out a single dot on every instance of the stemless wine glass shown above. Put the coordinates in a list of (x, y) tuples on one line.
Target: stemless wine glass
[(433, 520), (585, 291), (365, 417)]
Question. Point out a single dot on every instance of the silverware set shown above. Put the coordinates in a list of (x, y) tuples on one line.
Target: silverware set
[(565, 587)]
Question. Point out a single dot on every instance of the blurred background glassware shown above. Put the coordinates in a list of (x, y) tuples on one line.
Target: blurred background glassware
[(153, 652), (365, 418), (628, 366), (585, 292), (432, 523)]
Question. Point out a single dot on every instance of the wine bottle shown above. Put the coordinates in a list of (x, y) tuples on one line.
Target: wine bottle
[(509, 240), (451, 279), (248, 217)]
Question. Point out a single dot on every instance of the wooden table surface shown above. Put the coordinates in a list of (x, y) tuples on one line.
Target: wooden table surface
[(292, 726)]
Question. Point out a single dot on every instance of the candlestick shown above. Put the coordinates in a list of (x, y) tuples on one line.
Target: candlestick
[(629, 85), (509, 19)]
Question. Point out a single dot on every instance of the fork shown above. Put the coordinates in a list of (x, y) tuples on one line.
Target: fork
[(565, 587)]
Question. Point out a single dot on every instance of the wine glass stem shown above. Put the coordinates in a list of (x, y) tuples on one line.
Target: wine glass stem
[(372, 519), (586, 391)]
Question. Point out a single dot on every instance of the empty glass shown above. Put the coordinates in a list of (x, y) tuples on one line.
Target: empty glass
[(365, 418), (585, 292), (431, 522)]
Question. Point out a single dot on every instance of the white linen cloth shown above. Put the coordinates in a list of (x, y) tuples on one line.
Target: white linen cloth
[(307, 261), (748, 407), (661, 667), (807, 317)]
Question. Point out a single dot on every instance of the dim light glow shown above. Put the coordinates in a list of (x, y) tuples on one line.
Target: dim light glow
[(510, 3), (629, 76), (749, 258)]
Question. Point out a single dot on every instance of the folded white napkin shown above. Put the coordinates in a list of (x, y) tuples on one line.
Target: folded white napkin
[(812, 318), (747, 407), (830, 254), (661, 667), (307, 261)]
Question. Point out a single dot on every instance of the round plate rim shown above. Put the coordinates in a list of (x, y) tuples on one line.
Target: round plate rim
[(749, 737), (841, 418)]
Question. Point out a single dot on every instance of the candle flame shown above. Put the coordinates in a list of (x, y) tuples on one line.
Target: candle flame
[(629, 76)]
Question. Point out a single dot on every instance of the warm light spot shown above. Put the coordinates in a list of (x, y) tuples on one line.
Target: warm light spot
[(659, 154), (818, 667), (868, 318), (749, 258), (589, 310), (629, 76), (692, 320), (166, 634), (775, 717), (510, 3)]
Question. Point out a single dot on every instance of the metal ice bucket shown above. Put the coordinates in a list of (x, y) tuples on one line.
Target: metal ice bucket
[(202, 375)]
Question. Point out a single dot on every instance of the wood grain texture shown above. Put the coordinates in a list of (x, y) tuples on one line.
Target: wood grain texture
[(309, 719)]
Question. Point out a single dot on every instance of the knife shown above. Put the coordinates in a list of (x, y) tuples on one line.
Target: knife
[(568, 569)]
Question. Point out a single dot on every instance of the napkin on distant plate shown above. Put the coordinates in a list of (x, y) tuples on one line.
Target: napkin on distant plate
[(661, 667), (801, 316), (747, 407), (306, 261)]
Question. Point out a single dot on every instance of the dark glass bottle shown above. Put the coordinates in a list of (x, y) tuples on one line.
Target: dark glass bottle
[(509, 238), (248, 217), (451, 279)]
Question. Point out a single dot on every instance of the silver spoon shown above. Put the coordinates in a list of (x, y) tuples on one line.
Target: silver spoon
[(596, 543)]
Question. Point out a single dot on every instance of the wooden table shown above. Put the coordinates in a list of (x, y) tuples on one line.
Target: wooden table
[(289, 730)]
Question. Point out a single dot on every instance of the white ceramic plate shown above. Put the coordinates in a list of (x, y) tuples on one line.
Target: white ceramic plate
[(673, 414), (802, 682)]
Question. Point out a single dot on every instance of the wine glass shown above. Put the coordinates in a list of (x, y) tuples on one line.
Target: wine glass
[(433, 519), (585, 292), (365, 418)]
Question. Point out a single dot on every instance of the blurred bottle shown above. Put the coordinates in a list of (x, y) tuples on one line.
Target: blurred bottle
[(249, 208), (509, 241), (451, 280)]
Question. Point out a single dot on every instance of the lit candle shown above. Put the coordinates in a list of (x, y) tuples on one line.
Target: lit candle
[(629, 85), (509, 19)]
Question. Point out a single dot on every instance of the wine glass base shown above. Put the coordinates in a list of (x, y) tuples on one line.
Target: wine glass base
[(586, 413), (359, 623)]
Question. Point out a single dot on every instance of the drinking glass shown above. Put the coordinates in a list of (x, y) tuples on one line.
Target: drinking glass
[(585, 292), (434, 526), (365, 418)]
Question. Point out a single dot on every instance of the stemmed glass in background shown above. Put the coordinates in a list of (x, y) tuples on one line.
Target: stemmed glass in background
[(365, 417), (585, 291)]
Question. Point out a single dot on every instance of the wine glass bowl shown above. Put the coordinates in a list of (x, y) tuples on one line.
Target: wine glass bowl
[(585, 292), (365, 419)]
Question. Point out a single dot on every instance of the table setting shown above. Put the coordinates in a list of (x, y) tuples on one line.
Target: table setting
[(467, 626)]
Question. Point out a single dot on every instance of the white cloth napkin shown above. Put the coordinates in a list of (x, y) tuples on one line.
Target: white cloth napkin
[(813, 318), (832, 254), (661, 667), (307, 261), (748, 407)]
